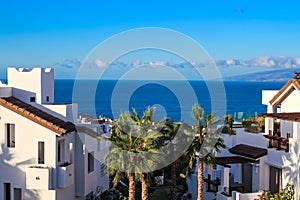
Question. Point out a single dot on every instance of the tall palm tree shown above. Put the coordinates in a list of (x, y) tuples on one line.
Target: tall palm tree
[(169, 131), (132, 138), (207, 141)]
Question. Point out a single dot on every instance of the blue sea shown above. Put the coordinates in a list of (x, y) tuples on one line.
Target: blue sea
[(110, 97)]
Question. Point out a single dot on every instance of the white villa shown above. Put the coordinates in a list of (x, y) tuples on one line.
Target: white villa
[(252, 162), (45, 152)]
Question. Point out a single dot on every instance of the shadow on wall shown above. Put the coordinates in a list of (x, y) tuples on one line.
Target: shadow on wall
[(12, 174), (291, 168)]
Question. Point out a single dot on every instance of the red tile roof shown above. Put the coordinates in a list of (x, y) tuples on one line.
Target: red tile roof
[(38, 116)]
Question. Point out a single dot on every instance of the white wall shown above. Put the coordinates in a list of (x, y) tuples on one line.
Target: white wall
[(23, 95), (5, 91), (90, 181), (267, 95), (16, 160), (291, 169), (36, 80), (263, 173), (291, 103), (192, 182), (68, 111), (286, 127)]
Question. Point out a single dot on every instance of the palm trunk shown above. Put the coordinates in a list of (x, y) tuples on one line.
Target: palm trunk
[(144, 187), (131, 187), (200, 179), (173, 177)]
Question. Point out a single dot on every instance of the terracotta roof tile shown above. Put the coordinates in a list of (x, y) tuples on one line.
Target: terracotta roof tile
[(38, 116)]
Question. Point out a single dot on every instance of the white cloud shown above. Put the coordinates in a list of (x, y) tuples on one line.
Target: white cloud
[(157, 64), (69, 63), (263, 61), (136, 63), (100, 63)]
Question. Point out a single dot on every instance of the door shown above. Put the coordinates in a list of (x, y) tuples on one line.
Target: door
[(275, 180), (247, 177), (7, 191)]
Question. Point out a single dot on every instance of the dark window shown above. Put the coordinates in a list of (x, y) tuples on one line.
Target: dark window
[(17, 194), (7, 191), (10, 135), (32, 99), (90, 162), (61, 151), (41, 153)]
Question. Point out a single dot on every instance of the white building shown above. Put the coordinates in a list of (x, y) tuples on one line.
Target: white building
[(252, 162), (44, 155)]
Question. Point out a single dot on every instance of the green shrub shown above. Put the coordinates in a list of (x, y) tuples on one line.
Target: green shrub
[(227, 130), (252, 129), (286, 194)]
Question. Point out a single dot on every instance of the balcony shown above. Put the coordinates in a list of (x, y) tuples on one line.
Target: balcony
[(38, 177), (65, 175), (279, 143), (213, 182)]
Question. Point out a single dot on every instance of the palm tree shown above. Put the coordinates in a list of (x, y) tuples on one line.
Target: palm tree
[(169, 131), (132, 138), (229, 120), (207, 141)]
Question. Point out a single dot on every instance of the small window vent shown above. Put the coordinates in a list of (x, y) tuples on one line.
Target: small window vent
[(32, 99)]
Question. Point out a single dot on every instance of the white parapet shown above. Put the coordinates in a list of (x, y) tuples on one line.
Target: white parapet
[(267, 95), (38, 178)]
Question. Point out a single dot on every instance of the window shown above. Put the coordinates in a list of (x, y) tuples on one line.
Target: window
[(32, 99), (90, 162), (7, 191), (47, 98), (10, 135), (61, 151), (17, 194), (71, 150), (41, 152)]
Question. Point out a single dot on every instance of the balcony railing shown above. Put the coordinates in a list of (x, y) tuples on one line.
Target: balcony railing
[(38, 177), (279, 143), (65, 175), (212, 184)]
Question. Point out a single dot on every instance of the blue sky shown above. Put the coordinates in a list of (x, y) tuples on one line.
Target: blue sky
[(45, 33)]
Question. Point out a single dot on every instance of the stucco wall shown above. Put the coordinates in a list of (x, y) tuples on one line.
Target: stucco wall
[(16, 160), (291, 103), (37, 80)]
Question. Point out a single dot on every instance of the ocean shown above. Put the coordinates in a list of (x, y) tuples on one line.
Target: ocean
[(111, 97)]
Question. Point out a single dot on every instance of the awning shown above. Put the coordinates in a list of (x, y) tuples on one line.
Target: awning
[(295, 116), (225, 161), (248, 151)]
